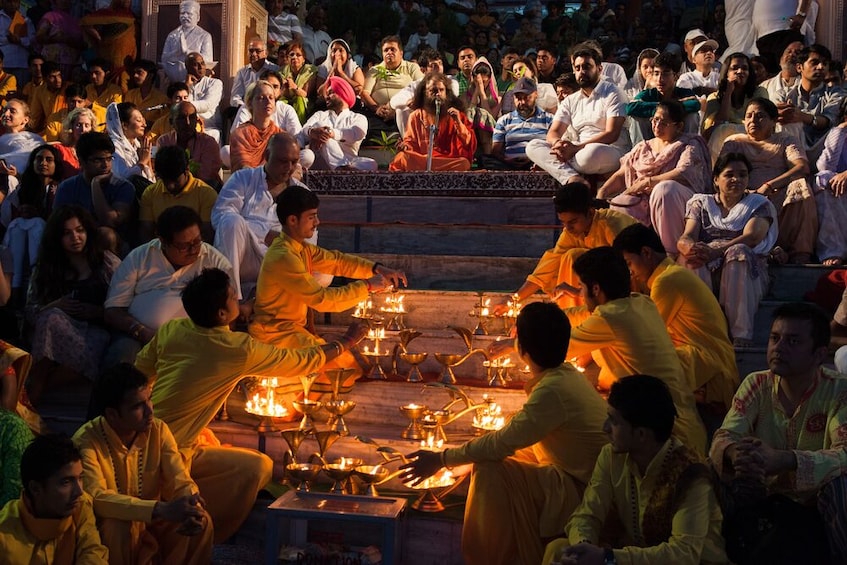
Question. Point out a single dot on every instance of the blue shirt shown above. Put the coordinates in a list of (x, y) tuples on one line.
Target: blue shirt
[(77, 190), (514, 131)]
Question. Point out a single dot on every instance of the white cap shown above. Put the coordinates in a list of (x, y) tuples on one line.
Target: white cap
[(694, 34), (710, 42)]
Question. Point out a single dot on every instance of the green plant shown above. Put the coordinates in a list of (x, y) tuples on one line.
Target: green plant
[(386, 141)]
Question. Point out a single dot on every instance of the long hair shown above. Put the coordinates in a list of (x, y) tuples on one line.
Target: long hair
[(53, 270), (749, 87), (452, 100), (31, 191)]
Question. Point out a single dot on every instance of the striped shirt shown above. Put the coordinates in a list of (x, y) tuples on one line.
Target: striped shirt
[(514, 131)]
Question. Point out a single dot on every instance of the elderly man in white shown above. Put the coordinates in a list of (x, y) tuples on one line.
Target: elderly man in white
[(257, 53), (587, 136), (206, 93), (336, 134), (244, 216), (187, 38)]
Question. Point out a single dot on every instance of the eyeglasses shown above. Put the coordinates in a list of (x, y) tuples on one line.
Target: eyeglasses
[(187, 246), (661, 122), (255, 50)]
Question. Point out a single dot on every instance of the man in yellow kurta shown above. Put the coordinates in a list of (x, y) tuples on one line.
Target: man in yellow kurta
[(625, 335), (52, 523), (47, 98), (583, 228), (197, 362), (691, 312), (658, 489), (286, 288), (148, 509), (529, 475)]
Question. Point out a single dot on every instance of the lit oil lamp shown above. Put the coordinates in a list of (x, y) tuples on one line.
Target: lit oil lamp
[(376, 334), (513, 306), (413, 412), (365, 309), (339, 470), (481, 311), (395, 309), (488, 415), (429, 501), (497, 371), (265, 405)]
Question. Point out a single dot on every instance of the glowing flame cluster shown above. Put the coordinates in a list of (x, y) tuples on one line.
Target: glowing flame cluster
[(443, 478), (431, 443), (488, 416), (394, 304), (364, 309), (375, 335), (266, 405), (514, 306), (501, 363)]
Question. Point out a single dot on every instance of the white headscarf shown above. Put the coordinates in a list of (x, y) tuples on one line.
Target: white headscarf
[(125, 163), (349, 67)]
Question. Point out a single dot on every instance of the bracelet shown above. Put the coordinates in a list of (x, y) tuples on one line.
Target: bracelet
[(339, 349), (135, 330), (442, 459)]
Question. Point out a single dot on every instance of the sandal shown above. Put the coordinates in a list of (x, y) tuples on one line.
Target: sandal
[(778, 256)]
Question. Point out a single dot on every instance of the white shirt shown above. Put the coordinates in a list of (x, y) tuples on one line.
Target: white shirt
[(587, 115), (417, 41), (284, 116), (772, 15), (315, 43), (282, 28), (147, 284), (695, 79), (180, 43), (614, 73), (246, 193), (206, 96), (349, 129), (244, 78), (776, 87)]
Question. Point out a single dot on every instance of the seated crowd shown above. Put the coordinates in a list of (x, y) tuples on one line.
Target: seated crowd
[(144, 213)]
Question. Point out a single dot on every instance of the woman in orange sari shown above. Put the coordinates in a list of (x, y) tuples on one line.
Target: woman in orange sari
[(454, 142)]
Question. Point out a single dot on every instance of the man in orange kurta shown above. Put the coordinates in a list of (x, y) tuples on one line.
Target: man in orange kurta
[(454, 142)]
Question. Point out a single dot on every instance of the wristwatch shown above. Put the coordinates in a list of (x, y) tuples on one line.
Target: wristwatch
[(609, 558)]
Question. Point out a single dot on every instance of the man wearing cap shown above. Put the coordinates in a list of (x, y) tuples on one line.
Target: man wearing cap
[(703, 80), (336, 133), (517, 128), (692, 39)]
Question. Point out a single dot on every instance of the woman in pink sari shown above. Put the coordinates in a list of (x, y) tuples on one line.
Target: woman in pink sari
[(659, 175), (60, 36)]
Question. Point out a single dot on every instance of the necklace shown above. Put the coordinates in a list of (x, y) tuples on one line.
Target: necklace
[(115, 468)]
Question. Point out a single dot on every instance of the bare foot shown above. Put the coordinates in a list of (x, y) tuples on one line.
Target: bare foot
[(833, 261)]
